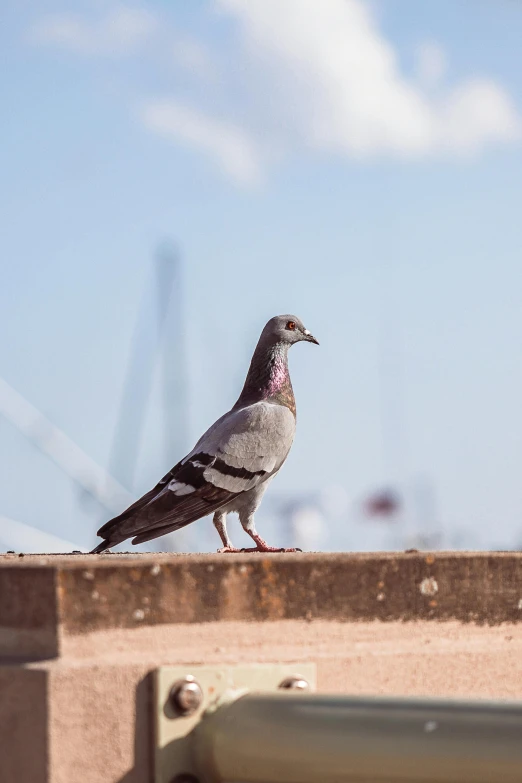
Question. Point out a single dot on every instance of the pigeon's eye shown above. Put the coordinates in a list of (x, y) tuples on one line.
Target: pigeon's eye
[(291, 325)]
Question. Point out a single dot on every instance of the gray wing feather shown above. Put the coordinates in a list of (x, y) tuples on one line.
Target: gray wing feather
[(240, 451), (256, 438)]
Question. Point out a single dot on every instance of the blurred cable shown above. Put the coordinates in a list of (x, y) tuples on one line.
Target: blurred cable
[(53, 442), (27, 539)]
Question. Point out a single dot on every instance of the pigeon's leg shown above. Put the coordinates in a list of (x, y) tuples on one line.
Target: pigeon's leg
[(220, 523), (247, 521)]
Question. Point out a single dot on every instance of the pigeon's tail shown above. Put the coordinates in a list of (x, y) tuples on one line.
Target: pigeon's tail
[(110, 530), (101, 547)]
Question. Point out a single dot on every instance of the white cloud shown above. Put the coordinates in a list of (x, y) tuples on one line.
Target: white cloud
[(192, 56), (229, 146), (431, 64), (306, 75), (121, 31), (347, 94), (475, 114)]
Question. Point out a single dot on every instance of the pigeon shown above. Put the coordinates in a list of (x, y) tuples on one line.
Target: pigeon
[(232, 464)]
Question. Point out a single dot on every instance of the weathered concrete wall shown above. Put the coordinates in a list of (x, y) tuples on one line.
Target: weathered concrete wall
[(79, 636), (24, 738)]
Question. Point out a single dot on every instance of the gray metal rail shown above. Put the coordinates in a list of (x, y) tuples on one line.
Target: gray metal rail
[(307, 738)]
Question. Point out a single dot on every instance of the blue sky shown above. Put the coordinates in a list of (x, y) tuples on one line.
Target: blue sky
[(356, 163)]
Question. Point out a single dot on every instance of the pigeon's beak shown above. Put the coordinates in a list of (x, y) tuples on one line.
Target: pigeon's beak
[(309, 337)]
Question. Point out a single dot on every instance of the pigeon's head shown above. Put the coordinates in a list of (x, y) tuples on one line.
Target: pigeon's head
[(286, 329)]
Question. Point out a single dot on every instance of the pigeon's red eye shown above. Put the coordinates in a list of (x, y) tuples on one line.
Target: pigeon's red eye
[(291, 325)]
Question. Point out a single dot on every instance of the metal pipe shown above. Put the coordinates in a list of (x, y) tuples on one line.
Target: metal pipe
[(302, 738)]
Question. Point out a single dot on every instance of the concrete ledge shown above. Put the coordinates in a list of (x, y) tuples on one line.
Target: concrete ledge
[(81, 635), (48, 598)]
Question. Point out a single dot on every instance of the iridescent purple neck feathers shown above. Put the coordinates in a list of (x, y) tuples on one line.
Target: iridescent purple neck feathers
[(268, 378)]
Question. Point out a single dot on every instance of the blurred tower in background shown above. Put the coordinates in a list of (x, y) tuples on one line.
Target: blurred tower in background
[(160, 336), (173, 372), (173, 365)]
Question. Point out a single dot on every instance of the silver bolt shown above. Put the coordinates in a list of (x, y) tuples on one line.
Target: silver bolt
[(186, 696), (295, 683)]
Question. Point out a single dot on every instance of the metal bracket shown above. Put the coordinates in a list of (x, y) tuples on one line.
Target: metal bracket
[(179, 705)]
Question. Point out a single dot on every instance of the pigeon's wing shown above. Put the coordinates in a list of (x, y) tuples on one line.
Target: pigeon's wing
[(146, 498), (240, 451)]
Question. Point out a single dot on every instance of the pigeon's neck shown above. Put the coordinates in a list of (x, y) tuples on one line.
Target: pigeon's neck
[(268, 378)]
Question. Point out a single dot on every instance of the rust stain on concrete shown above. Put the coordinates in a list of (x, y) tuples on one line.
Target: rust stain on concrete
[(271, 592), (87, 593)]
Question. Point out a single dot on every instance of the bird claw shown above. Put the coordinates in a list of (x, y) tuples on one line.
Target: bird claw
[(267, 548), (227, 550), (261, 547)]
